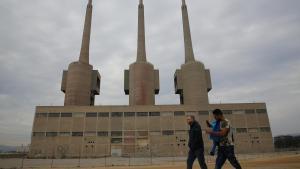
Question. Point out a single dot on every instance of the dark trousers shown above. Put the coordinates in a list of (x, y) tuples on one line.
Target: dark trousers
[(224, 153), (193, 154)]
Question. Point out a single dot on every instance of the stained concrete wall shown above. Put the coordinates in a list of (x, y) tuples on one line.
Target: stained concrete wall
[(140, 130)]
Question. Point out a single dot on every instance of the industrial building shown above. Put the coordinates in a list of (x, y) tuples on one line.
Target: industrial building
[(140, 129)]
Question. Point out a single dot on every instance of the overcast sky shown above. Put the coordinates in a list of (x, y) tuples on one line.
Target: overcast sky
[(251, 47)]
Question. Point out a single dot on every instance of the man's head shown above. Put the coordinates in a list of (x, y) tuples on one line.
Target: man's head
[(190, 119), (218, 114)]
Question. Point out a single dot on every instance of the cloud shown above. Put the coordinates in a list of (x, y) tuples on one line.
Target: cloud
[(251, 47)]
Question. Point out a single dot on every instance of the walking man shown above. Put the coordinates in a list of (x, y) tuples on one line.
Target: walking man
[(226, 147), (195, 144)]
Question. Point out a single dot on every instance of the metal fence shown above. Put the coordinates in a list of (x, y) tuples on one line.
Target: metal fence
[(11, 163)]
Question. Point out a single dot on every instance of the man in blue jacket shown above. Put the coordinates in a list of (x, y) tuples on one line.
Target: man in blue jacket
[(195, 144)]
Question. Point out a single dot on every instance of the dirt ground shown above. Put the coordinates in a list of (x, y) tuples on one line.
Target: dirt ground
[(286, 162), (282, 162)]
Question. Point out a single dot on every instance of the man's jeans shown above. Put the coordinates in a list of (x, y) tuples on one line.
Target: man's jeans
[(193, 154), (226, 152)]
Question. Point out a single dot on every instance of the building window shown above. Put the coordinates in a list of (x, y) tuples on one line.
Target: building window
[(179, 113), (77, 134), (241, 130), (249, 111), (103, 114), (102, 133), (53, 114), (66, 114), (90, 133), (116, 133), (142, 133), (129, 114), (181, 132), (206, 113), (65, 134), (167, 132), (261, 111), (129, 133), (51, 134), (79, 114), (238, 112), (167, 114), (265, 129), (38, 134), (91, 114), (227, 111), (116, 140), (116, 114), (155, 133), (39, 115), (191, 113), (142, 114), (154, 114), (252, 130)]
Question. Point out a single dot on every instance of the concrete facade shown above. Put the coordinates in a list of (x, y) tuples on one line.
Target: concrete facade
[(140, 129), (192, 84)]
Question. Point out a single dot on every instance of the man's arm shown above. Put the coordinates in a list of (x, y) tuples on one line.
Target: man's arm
[(208, 124), (224, 130), (221, 133)]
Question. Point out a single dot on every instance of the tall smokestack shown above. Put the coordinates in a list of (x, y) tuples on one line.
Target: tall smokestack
[(192, 81), (141, 45), (141, 81), (85, 45), (188, 45), (80, 82)]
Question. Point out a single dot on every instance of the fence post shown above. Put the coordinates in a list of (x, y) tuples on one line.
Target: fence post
[(105, 156), (173, 145), (129, 156), (129, 153), (151, 156), (22, 165), (134, 153), (51, 163), (52, 158), (22, 156), (79, 159)]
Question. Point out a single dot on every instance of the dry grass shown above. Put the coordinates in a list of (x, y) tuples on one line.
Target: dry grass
[(281, 162)]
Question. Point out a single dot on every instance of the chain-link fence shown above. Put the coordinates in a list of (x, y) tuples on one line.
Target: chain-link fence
[(109, 161)]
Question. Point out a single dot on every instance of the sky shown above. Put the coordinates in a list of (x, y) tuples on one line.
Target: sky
[(252, 49)]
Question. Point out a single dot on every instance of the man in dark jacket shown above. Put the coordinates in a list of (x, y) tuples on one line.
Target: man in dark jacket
[(195, 144)]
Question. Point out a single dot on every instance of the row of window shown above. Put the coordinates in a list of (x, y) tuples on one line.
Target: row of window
[(248, 111), (138, 133), (106, 114), (145, 114), (253, 130), (106, 133)]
